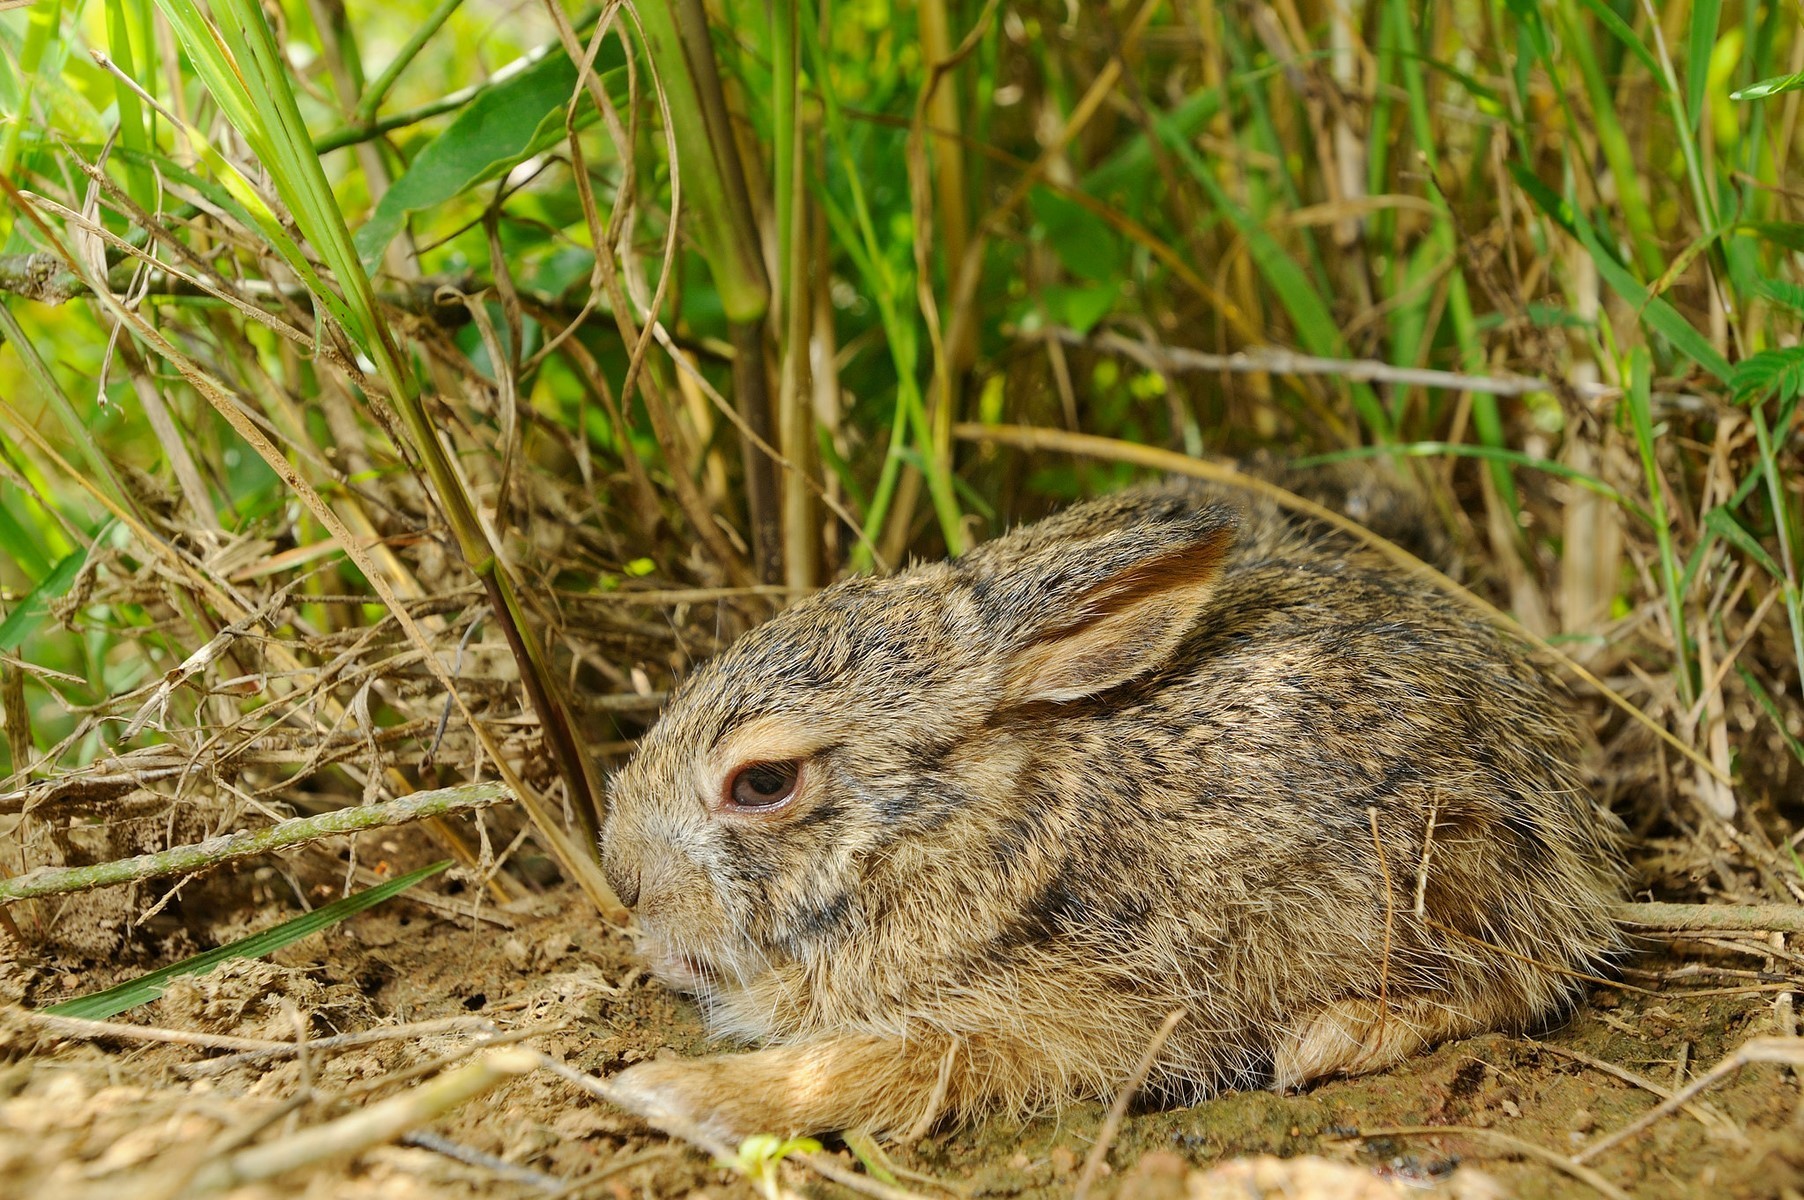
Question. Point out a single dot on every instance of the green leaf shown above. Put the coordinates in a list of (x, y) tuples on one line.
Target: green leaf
[(500, 128), (1789, 234), (19, 545), (1777, 85), (1722, 522), (1556, 207), (24, 620), (1130, 175), (1082, 240), (1079, 306), (1779, 722), (1638, 378), (1770, 371), (1781, 292), (114, 1000), (1655, 313), (1532, 27)]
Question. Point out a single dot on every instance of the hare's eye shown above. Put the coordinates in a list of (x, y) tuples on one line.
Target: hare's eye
[(763, 785)]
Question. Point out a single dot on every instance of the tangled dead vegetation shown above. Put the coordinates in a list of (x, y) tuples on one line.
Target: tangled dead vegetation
[(263, 734), (316, 555)]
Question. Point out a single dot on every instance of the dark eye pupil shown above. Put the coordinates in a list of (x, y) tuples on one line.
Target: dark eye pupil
[(763, 784)]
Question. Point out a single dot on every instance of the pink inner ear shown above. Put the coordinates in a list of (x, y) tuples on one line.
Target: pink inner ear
[(1122, 628)]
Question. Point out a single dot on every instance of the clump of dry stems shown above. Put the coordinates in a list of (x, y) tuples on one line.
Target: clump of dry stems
[(719, 301)]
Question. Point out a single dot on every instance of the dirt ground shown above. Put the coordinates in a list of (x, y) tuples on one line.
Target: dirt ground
[(110, 1116)]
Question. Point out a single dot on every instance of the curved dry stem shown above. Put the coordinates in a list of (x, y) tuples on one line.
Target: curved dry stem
[(1088, 445)]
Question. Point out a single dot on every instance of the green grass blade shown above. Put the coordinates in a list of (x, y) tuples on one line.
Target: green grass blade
[(1613, 141), (1722, 522), (1779, 497), (1704, 17), (115, 1000), (1771, 708), (1622, 32), (17, 543), (41, 32), (1314, 324), (100, 467), (131, 113), (1656, 313), (24, 620)]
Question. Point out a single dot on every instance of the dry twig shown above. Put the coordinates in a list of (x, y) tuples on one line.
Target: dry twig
[(271, 1051), (1704, 1113), (1786, 1050), (53, 881), (372, 1126), (1512, 1144), (1760, 918), (1111, 1125)]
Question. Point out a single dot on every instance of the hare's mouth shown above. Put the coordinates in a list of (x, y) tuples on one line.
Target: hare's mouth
[(682, 972)]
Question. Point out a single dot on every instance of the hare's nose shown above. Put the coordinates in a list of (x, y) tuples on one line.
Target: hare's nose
[(623, 877)]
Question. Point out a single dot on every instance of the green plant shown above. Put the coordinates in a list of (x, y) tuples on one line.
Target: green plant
[(682, 297), (760, 1157)]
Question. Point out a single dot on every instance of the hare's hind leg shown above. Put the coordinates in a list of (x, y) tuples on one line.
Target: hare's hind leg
[(1354, 1036)]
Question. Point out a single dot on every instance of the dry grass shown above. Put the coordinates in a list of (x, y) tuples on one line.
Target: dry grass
[(280, 539)]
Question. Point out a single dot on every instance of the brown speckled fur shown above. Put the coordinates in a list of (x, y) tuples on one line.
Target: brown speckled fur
[(1116, 763)]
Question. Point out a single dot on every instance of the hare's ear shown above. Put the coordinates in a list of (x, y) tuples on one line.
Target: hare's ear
[(1113, 611)]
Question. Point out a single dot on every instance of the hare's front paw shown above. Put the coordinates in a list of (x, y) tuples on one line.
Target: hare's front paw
[(808, 1087), (685, 1092)]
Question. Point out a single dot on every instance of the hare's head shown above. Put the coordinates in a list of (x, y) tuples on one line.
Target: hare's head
[(739, 829)]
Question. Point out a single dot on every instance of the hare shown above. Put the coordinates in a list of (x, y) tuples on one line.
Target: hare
[(959, 840)]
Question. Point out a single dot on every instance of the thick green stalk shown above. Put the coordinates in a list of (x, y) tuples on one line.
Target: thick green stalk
[(676, 37), (709, 161), (795, 409)]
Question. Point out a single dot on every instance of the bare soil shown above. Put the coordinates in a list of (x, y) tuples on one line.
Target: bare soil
[(113, 1116)]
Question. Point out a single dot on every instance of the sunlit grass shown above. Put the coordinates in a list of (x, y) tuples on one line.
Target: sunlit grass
[(1593, 193)]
